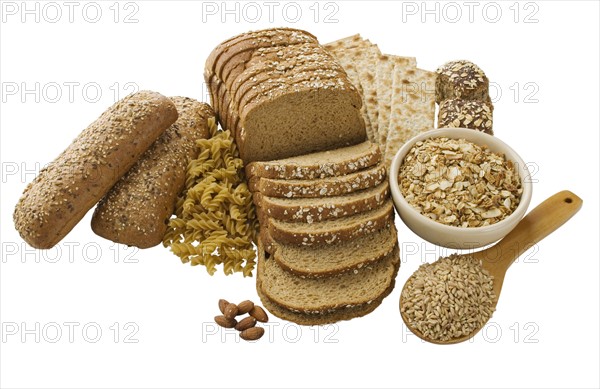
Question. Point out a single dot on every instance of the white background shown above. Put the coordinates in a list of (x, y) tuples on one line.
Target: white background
[(542, 57)]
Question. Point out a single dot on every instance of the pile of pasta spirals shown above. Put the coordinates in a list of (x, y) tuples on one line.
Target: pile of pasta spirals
[(215, 221)]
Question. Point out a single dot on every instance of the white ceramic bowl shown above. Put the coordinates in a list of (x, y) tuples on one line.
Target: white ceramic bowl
[(451, 236)]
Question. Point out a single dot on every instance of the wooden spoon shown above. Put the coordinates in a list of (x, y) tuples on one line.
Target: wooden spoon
[(539, 223)]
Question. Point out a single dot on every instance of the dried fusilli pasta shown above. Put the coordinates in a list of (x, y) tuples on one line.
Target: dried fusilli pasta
[(215, 219)]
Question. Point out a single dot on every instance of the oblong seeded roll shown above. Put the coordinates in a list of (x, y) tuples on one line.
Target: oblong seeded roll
[(62, 193), (461, 80), (474, 114), (137, 209)]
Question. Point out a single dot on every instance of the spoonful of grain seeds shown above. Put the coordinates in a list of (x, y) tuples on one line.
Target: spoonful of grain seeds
[(450, 300)]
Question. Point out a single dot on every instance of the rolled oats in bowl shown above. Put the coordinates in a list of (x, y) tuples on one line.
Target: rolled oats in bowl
[(458, 183)]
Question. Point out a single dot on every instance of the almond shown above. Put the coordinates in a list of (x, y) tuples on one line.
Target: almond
[(231, 311), (245, 323), (222, 304), (259, 314), (245, 307), (225, 322), (253, 333)]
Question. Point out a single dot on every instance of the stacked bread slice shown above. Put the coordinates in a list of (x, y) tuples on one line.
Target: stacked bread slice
[(328, 248), (399, 98), (281, 94)]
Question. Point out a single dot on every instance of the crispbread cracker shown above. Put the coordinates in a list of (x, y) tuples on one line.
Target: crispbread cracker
[(384, 75), (346, 43), (413, 108), (366, 61)]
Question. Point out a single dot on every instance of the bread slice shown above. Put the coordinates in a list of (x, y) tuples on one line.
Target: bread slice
[(263, 68), (328, 231), (234, 70), (318, 296), (228, 49), (352, 73), (346, 313), (322, 164), (271, 83), (302, 121), (384, 76), (321, 187), (311, 76), (332, 259), (309, 210)]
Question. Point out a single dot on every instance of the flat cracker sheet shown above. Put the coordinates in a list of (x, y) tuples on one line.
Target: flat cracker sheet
[(398, 98), (342, 50), (384, 75), (413, 108)]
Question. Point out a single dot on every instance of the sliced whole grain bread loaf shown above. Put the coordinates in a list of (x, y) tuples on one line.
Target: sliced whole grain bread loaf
[(260, 68), (272, 84), (238, 68), (328, 231), (253, 40), (310, 76), (309, 210), (322, 164), (320, 187), (299, 118), (314, 296), (331, 259)]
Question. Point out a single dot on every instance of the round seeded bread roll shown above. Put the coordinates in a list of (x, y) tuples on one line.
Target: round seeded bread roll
[(68, 187), (474, 114), (461, 80)]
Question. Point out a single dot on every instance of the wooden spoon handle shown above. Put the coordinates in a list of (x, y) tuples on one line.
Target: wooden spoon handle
[(535, 226)]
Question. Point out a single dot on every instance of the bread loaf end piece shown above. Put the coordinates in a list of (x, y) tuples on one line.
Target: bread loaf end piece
[(69, 186), (301, 122), (137, 209)]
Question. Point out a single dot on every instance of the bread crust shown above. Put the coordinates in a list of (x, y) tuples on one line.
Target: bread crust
[(320, 209), (350, 227), (68, 187), (137, 209), (332, 186), (288, 169), (253, 40), (304, 272)]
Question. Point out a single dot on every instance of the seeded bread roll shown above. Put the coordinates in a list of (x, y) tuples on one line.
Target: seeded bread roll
[(474, 114), (461, 80), (137, 209), (70, 185)]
